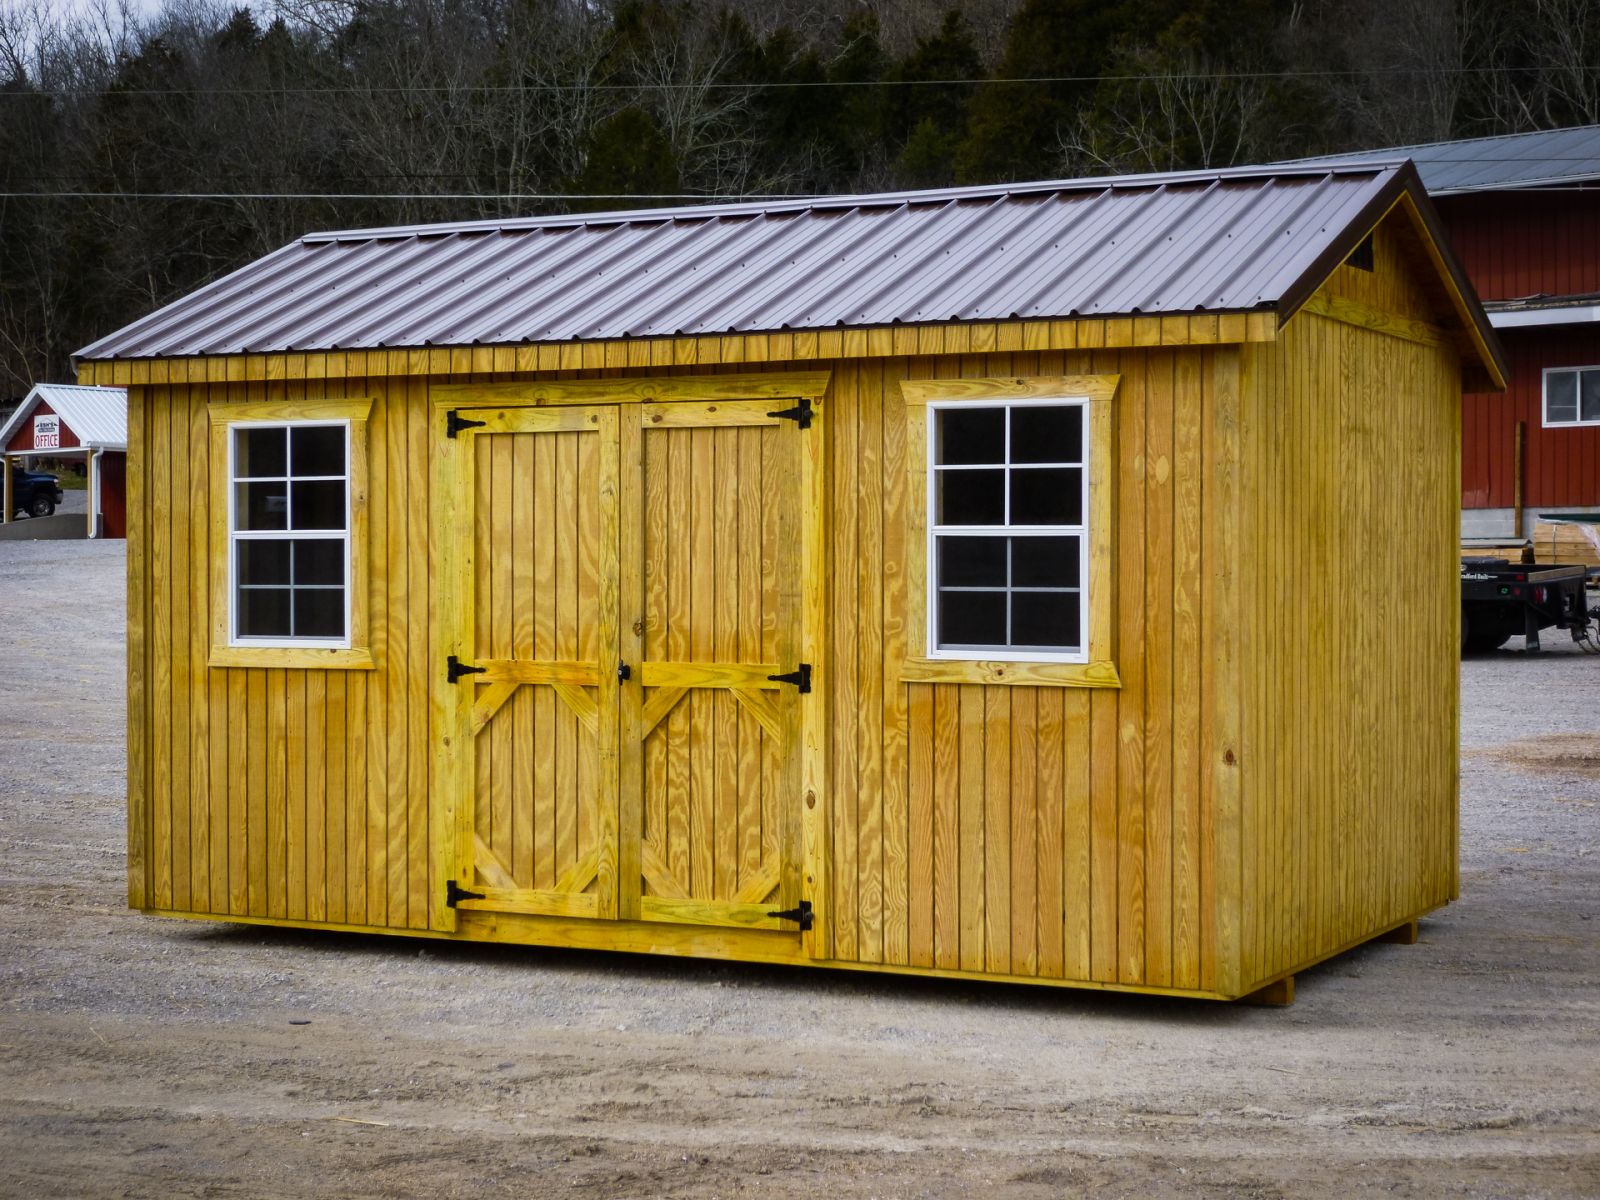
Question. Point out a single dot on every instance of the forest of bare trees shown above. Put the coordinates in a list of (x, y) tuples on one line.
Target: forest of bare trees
[(145, 151)]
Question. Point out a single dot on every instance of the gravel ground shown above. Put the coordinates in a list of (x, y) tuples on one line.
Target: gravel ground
[(142, 1057)]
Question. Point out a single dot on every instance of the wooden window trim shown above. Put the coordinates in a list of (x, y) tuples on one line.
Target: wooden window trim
[(1100, 671), (358, 655)]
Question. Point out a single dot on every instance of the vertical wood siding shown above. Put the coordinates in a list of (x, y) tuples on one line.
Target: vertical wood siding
[(274, 793), (1350, 738), (1037, 831), (1056, 832)]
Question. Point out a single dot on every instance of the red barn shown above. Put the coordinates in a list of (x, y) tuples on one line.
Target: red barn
[(61, 421), (1523, 212)]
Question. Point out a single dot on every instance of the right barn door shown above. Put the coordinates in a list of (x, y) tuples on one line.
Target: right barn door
[(710, 719)]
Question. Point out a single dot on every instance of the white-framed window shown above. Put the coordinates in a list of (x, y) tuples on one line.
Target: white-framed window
[(1007, 553), (289, 519), (1572, 396)]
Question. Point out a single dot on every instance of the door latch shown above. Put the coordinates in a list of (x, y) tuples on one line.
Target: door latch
[(455, 669), (624, 672), (801, 678), (801, 914)]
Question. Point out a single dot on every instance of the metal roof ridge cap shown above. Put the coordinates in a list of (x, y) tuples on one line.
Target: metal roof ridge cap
[(844, 200)]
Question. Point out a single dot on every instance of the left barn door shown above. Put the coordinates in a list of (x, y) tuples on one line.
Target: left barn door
[(526, 601)]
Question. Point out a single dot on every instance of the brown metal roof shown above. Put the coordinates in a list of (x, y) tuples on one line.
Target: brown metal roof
[(1242, 239)]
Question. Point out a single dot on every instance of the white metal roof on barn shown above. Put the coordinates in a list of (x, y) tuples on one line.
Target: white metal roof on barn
[(1552, 157), (1228, 240), (97, 415)]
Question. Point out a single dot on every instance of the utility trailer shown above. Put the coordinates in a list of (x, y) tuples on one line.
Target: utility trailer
[(1500, 598)]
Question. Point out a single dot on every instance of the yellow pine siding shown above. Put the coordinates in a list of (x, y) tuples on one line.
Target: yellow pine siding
[(266, 792), (1263, 775), (1350, 787)]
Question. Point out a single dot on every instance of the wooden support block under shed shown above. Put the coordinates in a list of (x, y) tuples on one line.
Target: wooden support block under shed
[(1275, 995), (1401, 935)]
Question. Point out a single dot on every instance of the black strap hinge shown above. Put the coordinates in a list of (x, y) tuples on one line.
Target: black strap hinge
[(454, 893), (800, 414), (801, 914), (455, 669), (454, 423), (800, 678)]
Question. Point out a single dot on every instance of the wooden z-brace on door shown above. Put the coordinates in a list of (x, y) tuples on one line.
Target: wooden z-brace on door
[(627, 590)]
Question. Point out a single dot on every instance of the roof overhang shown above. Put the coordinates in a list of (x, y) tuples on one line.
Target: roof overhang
[(1567, 310), (1406, 193)]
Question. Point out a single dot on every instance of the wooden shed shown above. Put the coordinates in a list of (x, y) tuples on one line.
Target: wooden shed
[(973, 583)]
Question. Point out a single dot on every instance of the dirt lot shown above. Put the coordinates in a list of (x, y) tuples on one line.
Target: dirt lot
[(141, 1057)]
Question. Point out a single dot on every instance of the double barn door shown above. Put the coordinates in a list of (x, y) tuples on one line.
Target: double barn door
[(615, 586)]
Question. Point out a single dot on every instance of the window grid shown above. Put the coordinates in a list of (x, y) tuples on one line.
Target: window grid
[(938, 532), (289, 534)]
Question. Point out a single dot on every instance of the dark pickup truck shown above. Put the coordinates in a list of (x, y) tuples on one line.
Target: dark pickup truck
[(1500, 599), (34, 493)]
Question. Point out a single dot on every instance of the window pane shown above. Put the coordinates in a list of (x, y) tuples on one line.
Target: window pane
[(972, 618), (318, 560), (1590, 410), (971, 498), (1561, 396), (1044, 562), (972, 562), (1053, 434), (317, 450), (261, 506), (1045, 619), (258, 452), (1047, 496), (319, 612), (263, 562), (319, 505), (263, 612), (970, 435)]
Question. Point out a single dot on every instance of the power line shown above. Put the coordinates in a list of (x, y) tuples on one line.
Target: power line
[(551, 197), (517, 196), (760, 85)]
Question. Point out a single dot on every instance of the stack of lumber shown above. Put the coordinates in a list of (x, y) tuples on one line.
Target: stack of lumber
[(1567, 542), (1508, 549)]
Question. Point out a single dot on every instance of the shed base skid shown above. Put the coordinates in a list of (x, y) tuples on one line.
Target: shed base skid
[(763, 948)]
